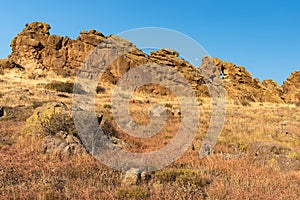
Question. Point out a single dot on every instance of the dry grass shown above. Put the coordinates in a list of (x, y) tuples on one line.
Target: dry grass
[(27, 173)]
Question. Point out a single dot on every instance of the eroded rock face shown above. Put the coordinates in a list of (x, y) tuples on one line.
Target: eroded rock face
[(239, 84), (291, 88), (34, 49)]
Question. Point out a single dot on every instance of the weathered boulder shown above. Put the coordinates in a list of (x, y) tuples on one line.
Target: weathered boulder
[(62, 143), (53, 122), (135, 176)]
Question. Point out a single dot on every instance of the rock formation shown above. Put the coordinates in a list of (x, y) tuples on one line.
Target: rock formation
[(54, 123), (35, 49), (239, 84), (291, 88)]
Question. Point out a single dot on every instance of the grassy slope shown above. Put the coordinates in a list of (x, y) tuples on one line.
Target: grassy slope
[(27, 173)]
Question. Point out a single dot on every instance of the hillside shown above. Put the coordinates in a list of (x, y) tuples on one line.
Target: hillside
[(257, 155)]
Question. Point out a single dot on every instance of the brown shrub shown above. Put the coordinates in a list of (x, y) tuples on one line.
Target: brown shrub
[(60, 86)]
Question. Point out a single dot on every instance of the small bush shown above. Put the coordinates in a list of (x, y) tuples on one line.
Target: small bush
[(182, 176), (34, 76), (165, 176), (59, 122), (100, 89), (107, 106), (109, 129), (61, 86), (36, 104), (135, 192), (244, 102)]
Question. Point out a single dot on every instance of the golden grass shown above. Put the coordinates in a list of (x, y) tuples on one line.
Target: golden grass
[(27, 173)]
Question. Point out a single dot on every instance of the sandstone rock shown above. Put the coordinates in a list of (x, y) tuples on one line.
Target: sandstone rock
[(34, 48), (239, 84), (291, 88), (92, 37), (37, 27), (272, 92)]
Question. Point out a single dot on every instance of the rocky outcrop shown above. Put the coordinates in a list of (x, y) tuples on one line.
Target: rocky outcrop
[(291, 88), (53, 122), (35, 49), (239, 84)]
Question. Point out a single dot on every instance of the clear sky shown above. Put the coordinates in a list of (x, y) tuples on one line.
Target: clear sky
[(262, 35)]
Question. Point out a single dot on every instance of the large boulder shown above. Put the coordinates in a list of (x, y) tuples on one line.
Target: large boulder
[(54, 124)]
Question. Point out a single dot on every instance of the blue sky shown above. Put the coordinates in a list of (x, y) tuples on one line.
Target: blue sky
[(263, 36)]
